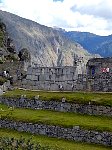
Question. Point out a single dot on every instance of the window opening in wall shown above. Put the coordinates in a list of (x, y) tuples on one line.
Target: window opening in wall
[(38, 78), (49, 77), (92, 70), (61, 71)]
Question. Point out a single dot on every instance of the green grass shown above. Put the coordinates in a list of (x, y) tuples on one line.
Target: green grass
[(58, 118), (80, 97), (52, 142)]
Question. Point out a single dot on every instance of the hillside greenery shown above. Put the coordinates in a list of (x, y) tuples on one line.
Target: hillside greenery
[(2, 80), (7, 143), (1, 38)]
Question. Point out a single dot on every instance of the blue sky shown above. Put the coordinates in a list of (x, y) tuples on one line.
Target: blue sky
[(73, 15)]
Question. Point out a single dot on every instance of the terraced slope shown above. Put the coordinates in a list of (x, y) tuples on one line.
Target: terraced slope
[(61, 125), (58, 118)]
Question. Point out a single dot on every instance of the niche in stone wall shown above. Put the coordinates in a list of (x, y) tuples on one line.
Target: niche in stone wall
[(38, 78), (91, 70)]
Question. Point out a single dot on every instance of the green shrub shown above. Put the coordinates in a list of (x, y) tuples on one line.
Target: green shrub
[(11, 57), (1, 61), (1, 38), (7, 143), (2, 80)]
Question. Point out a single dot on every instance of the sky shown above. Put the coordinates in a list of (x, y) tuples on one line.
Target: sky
[(93, 16)]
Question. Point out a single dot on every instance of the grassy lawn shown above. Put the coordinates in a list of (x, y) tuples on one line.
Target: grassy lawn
[(52, 142), (58, 118), (80, 97)]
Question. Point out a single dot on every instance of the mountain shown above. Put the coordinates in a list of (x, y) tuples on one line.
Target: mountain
[(7, 49), (47, 46), (95, 44)]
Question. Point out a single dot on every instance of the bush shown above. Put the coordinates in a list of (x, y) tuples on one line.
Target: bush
[(2, 80), (1, 61), (7, 143)]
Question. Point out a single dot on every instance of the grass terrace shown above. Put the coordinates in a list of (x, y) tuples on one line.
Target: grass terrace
[(79, 97), (64, 119), (51, 142)]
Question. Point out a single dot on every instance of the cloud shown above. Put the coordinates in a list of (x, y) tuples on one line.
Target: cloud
[(82, 15), (101, 8)]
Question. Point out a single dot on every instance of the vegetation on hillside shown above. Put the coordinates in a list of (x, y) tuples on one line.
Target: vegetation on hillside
[(7, 49), (1, 38), (2, 35), (7, 143), (2, 80)]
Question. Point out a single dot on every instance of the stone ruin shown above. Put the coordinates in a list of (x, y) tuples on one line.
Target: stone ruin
[(99, 74), (97, 77)]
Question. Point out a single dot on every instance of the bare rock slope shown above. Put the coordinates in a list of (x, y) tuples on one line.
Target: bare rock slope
[(48, 47)]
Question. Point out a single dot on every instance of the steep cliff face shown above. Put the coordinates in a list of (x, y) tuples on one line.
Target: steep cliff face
[(48, 47)]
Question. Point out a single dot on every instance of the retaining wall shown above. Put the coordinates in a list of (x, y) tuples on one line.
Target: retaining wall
[(89, 109), (74, 133)]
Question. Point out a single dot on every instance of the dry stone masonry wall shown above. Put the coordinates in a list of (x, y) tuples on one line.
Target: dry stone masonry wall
[(54, 78), (89, 109), (99, 74), (98, 77), (74, 133)]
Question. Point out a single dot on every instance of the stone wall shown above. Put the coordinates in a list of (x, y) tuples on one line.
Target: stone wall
[(54, 78), (99, 74), (89, 109), (98, 77), (74, 133)]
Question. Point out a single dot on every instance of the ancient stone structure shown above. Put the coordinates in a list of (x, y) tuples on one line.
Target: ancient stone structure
[(69, 78), (97, 77), (99, 74), (74, 133), (90, 109), (54, 78)]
